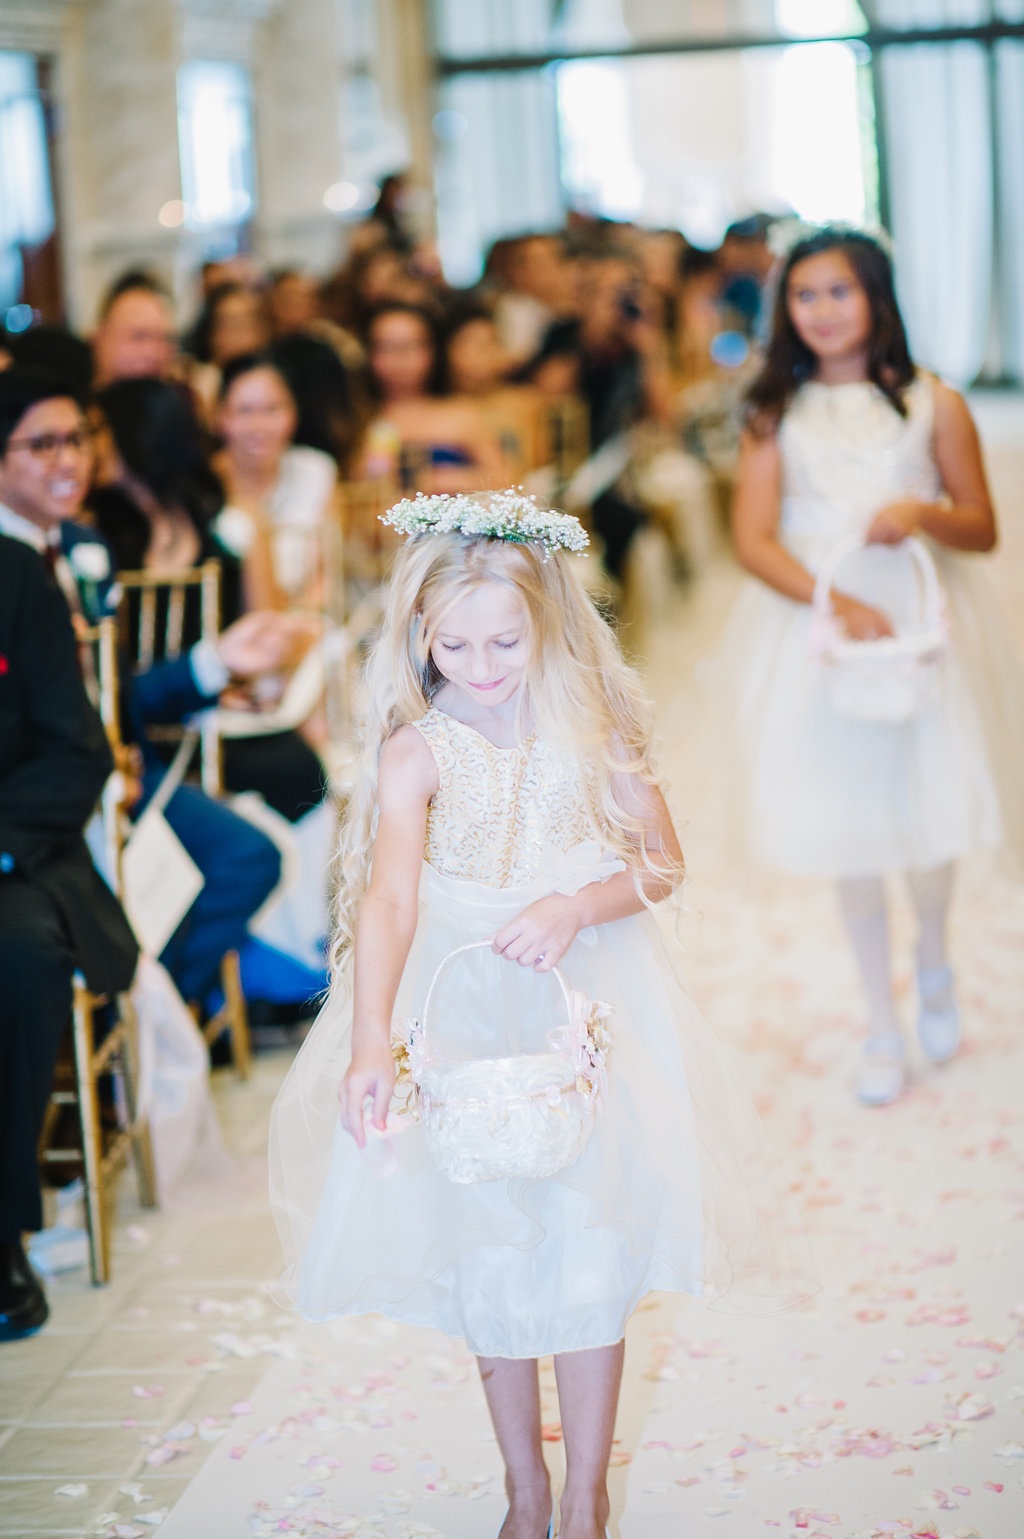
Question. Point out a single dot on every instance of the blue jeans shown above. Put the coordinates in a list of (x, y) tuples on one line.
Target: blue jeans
[(241, 867)]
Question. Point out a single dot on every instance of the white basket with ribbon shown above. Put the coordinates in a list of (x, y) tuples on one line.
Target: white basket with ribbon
[(888, 678), (521, 1117)]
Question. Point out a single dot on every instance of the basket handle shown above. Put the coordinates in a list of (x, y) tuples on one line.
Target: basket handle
[(822, 600), (459, 951)]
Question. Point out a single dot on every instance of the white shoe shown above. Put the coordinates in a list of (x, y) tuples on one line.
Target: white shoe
[(938, 1016), (882, 1073), (551, 1524)]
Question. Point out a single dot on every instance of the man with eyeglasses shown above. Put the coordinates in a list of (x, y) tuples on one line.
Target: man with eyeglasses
[(56, 914)]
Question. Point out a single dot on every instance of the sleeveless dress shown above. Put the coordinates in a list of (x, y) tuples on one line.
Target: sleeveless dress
[(808, 789), (674, 1189)]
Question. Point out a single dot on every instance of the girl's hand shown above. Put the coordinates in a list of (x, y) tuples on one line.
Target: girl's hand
[(370, 1074), (540, 936), (892, 524), (860, 621)]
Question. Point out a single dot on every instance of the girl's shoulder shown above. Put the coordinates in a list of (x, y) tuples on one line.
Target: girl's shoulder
[(406, 761)]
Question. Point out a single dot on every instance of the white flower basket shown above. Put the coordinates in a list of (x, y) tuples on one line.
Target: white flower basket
[(892, 678), (523, 1117)]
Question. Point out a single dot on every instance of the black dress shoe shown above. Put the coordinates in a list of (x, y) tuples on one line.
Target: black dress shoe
[(23, 1306)]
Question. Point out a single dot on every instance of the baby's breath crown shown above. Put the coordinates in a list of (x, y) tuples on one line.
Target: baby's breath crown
[(511, 515)]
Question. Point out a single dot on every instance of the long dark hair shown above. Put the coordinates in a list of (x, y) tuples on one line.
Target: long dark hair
[(789, 362), (161, 442)]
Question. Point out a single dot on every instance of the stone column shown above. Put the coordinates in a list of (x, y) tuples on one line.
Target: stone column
[(297, 77), (406, 79), (116, 85)]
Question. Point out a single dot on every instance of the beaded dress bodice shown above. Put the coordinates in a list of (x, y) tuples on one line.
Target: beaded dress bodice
[(499, 815), (846, 453)]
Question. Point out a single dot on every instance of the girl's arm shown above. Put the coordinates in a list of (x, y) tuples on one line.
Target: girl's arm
[(967, 521), (540, 936), (755, 522), (387, 923)]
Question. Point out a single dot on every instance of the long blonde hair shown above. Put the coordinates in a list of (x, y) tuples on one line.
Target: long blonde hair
[(578, 690)]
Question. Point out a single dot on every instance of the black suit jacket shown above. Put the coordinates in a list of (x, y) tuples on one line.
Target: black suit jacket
[(164, 694), (54, 760)]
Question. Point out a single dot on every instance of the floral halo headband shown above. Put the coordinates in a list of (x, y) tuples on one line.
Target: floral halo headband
[(511, 515)]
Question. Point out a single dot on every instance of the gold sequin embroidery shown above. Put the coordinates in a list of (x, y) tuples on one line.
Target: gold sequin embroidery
[(499, 814)]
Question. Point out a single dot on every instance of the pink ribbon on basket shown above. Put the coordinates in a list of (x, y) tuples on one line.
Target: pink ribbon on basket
[(585, 1039)]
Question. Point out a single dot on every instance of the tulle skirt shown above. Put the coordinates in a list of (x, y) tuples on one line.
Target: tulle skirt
[(804, 788), (675, 1189)]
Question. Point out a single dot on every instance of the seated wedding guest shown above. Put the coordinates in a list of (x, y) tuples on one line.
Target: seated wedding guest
[(294, 301), (154, 495), (701, 314), (621, 374), (135, 335), (215, 273), (535, 288), (746, 259), (284, 489), (374, 275), (57, 915), (660, 253), (476, 365), (156, 500), (391, 212), (44, 476), (416, 436), (234, 321)]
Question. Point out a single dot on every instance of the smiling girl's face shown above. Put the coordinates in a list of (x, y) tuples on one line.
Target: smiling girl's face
[(482, 647), (829, 309)]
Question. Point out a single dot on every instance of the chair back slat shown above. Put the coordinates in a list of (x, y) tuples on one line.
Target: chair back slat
[(161, 635), (175, 627), (163, 610), (100, 643), (146, 643), (568, 434)]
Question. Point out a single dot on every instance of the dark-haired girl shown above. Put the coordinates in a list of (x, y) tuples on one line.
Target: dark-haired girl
[(847, 438)]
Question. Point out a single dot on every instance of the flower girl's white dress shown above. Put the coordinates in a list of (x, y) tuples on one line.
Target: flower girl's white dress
[(674, 1189), (801, 785)]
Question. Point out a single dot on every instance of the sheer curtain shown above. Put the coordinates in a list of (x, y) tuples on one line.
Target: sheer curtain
[(956, 203), (935, 112), (1010, 255)]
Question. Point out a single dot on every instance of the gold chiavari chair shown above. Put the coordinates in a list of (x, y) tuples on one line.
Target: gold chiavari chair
[(567, 433), (103, 1151), (361, 550), (164, 601), (167, 605)]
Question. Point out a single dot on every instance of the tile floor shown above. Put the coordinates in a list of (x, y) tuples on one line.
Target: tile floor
[(180, 1401)]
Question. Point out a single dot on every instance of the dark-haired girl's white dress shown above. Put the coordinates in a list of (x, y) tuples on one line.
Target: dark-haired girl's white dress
[(674, 1190), (799, 784)]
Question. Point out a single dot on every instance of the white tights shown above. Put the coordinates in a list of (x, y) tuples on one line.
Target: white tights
[(862, 900)]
